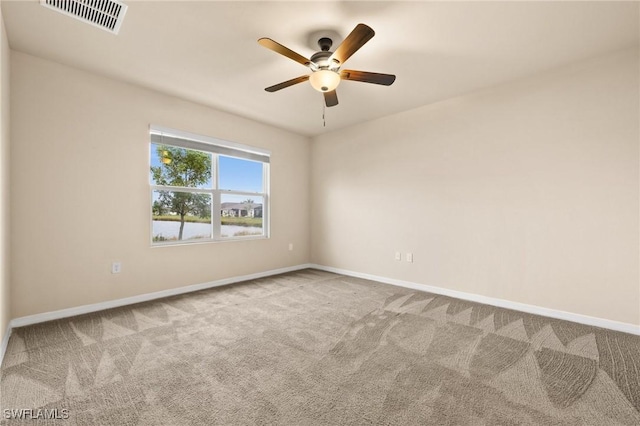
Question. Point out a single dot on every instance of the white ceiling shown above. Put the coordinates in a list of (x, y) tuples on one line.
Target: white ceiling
[(207, 51)]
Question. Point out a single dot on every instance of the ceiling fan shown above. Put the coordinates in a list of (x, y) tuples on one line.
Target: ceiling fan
[(325, 64)]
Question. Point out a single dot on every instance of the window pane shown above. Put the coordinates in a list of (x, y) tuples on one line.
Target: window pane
[(181, 216), (240, 175), (173, 166), (240, 215)]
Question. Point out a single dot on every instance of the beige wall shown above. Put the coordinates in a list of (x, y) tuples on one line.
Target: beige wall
[(526, 192), (5, 311), (80, 191)]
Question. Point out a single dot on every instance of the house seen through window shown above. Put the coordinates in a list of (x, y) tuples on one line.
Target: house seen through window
[(203, 189)]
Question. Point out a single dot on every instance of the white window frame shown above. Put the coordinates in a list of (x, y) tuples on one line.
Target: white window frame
[(215, 147)]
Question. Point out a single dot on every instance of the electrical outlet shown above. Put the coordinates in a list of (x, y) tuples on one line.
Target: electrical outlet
[(290, 246), (116, 267), (398, 255), (410, 257)]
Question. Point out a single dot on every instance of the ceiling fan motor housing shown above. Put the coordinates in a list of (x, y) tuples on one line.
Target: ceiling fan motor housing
[(321, 59)]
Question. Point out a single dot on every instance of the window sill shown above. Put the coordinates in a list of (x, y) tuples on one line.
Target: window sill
[(208, 241)]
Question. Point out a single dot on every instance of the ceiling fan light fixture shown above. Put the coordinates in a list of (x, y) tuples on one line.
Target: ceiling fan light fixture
[(324, 80)]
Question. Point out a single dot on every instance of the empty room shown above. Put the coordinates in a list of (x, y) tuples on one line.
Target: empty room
[(319, 213)]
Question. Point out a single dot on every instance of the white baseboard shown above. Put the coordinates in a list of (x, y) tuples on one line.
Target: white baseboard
[(501, 303), (86, 309), (5, 342)]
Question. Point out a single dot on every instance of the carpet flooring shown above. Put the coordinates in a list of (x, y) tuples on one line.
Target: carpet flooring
[(316, 348)]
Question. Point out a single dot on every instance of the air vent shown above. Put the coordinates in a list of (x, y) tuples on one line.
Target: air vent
[(105, 14)]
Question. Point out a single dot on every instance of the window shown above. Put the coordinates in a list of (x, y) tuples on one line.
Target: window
[(204, 189)]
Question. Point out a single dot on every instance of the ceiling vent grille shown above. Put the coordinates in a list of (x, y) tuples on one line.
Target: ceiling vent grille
[(105, 14)]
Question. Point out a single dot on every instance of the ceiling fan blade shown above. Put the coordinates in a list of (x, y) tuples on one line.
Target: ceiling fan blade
[(354, 41), (287, 83), (331, 98), (285, 51), (368, 77)]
